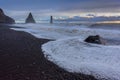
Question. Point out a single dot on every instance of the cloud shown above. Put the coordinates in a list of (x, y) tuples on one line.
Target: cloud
[(63, 5), (95, 18), (92, 6), (45, 8)]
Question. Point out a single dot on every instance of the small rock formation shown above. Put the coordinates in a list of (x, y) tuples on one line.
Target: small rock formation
[(95, 39), (5, 19), (51, 19), (30, 19)]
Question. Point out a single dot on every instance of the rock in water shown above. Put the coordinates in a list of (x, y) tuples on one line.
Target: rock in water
[(95, 39), (30, 19), (5, 19), (51, 19)]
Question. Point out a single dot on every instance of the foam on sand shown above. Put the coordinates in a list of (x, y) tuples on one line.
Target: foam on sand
[(92, 59)]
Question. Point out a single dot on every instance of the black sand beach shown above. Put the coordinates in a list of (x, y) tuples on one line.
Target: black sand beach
[(21, 58)]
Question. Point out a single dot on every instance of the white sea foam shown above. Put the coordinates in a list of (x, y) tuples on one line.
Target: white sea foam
[(75, 55)]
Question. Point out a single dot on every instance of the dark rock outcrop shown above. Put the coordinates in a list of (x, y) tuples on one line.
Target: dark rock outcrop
[(95, 39), (51, 19), (30, 19), (5, 19)]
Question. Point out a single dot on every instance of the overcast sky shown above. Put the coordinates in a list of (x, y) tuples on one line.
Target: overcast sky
[(20, 8)]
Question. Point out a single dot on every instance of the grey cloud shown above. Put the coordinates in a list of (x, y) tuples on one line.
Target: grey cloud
[(92, 6)]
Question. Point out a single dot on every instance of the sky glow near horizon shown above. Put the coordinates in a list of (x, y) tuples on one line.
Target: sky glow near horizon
[(19, 9)]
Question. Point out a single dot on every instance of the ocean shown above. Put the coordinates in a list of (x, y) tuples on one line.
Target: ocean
[(63, 29)]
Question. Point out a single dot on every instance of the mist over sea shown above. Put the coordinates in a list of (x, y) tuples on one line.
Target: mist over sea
[(113, 25), (107, 28)]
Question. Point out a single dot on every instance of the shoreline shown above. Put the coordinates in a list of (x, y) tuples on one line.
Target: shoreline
[(21, 58)]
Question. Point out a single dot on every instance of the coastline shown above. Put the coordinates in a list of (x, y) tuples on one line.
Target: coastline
[(21, 58)]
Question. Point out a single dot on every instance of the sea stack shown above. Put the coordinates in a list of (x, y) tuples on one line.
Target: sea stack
[(5, 19), (30, 19), (51, 19)]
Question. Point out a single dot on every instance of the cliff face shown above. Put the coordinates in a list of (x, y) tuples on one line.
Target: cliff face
[(2, 16), (30, 19), (5, 19)]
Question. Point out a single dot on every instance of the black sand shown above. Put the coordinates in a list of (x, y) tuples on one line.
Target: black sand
[(21, 58)]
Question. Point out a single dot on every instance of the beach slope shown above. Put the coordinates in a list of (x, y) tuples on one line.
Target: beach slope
[(21, 58)]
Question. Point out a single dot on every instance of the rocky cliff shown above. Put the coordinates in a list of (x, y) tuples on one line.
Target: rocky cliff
[(5, 19)]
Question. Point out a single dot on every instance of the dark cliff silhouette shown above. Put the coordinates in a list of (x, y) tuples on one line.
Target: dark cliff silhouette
[(30, 19), (5, 19)]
